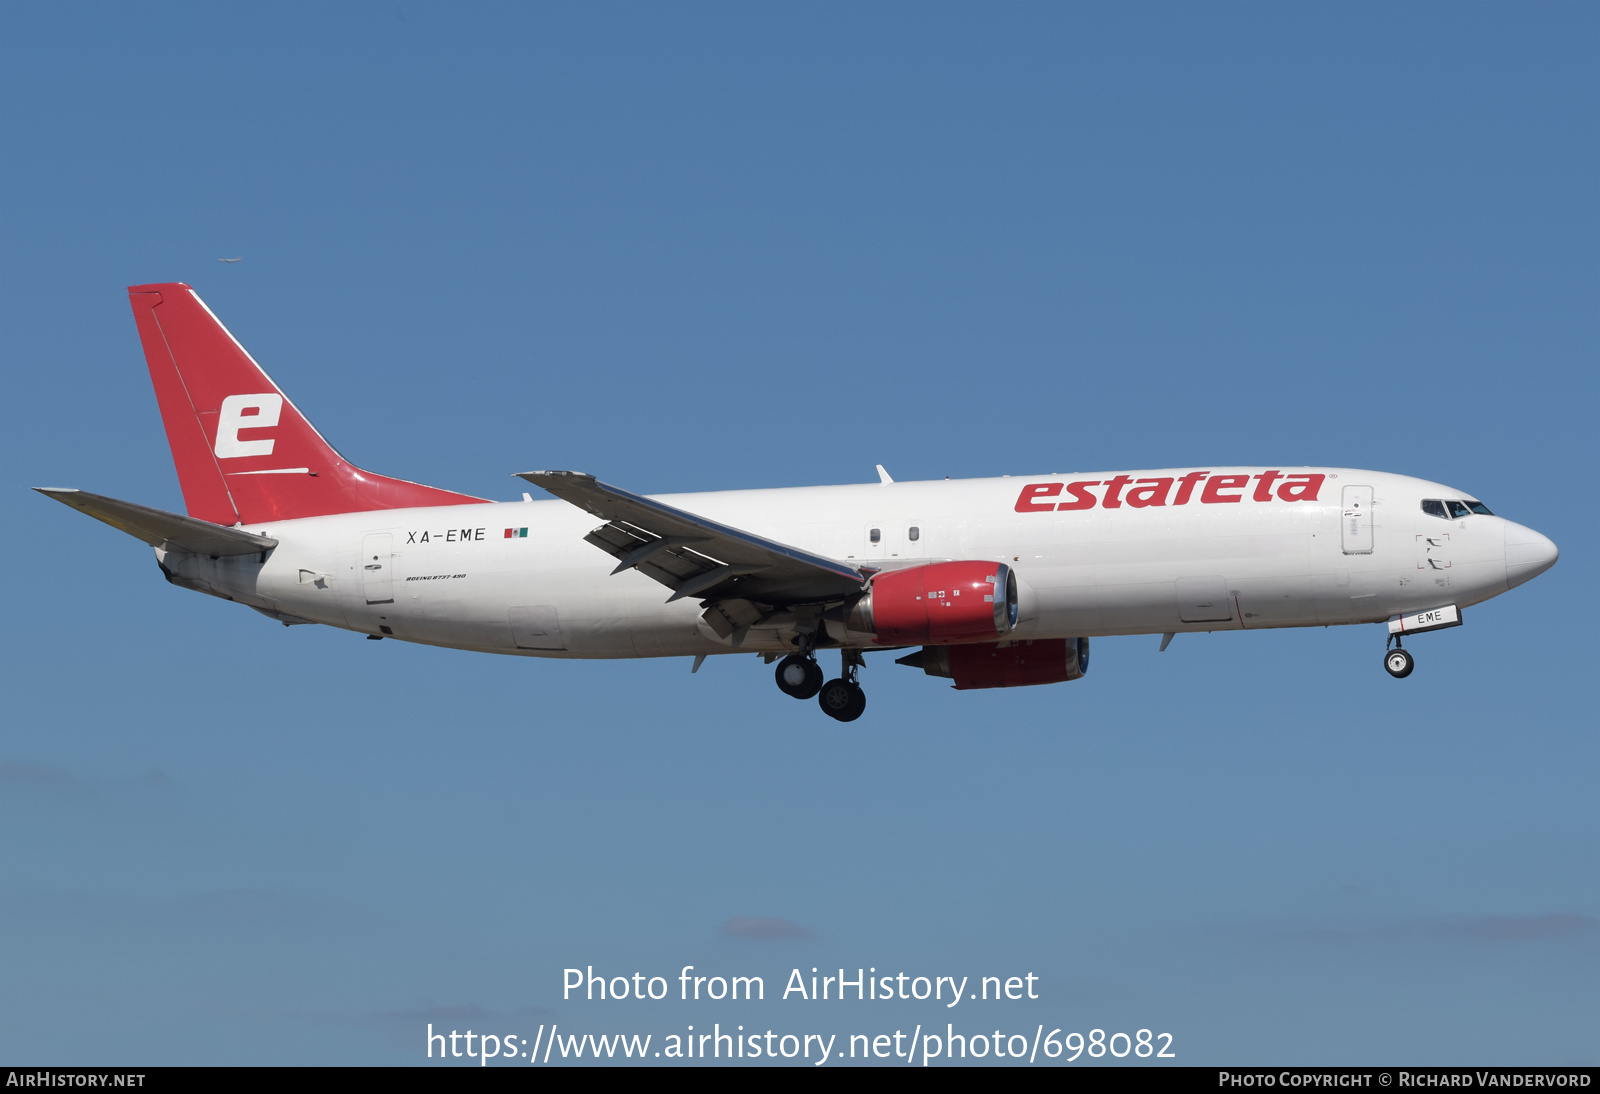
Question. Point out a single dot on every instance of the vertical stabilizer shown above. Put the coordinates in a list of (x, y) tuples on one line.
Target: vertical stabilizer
[(244, 453)]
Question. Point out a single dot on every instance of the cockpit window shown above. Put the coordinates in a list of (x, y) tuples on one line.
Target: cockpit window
[(1479, 508), (1434, 508), (1458, 510)]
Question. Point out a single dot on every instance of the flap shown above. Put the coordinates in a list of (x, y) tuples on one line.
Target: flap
[(695, 556), (159, 528)]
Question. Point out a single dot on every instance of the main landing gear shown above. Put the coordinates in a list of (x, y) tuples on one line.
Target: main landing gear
[(843, 699), (1397, 662), (799, 675)]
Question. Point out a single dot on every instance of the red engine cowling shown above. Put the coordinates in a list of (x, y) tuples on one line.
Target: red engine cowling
[(941, 602), (990, 665)]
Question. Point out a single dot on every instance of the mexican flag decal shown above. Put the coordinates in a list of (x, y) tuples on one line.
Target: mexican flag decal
[(516, 533)]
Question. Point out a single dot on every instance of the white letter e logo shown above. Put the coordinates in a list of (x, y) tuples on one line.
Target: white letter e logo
[(232, 418)]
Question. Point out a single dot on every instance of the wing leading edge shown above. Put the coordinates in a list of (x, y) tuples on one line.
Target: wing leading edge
[(695, 556)]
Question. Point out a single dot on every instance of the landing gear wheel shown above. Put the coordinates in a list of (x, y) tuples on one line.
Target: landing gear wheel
[(799, 676), (842, 700), (1399, 663)]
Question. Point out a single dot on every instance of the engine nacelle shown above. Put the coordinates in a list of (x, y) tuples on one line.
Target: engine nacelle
[(941, 602), (1016, 665)]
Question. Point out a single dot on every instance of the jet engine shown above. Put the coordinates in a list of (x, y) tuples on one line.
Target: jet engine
[(1012, 665), (967, 601)]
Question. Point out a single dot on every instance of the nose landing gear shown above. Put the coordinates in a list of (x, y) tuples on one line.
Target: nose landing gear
[(843, 699), (1397, 662)]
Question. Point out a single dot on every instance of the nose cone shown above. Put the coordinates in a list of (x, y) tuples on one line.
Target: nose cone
[(1528, 554)]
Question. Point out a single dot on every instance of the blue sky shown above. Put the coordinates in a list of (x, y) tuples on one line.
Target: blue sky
[(695, 247)]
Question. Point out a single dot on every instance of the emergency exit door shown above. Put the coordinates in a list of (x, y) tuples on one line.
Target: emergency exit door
[(377, 568), (1356, 523)]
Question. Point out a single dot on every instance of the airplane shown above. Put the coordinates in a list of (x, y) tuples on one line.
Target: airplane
[(989, 583)]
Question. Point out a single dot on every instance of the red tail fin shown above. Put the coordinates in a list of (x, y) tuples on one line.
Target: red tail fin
[(244, 453)]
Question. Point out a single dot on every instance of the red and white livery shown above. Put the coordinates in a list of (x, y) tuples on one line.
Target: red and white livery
[(989, 582)]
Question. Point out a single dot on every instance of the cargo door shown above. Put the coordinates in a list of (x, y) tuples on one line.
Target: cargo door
[(377, 568), (536, 628), (1204, 600), (1357, 520)]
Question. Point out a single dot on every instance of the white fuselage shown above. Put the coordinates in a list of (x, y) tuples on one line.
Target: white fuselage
[(451, 576)]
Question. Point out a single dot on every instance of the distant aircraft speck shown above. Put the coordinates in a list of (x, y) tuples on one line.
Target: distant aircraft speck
[(230, 260)]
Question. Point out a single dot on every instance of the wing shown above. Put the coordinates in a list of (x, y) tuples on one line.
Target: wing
[(160, 528), (694, 556)]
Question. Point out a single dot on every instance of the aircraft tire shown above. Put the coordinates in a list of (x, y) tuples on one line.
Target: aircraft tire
[(1398, 663), (798, 677), (842, 700)]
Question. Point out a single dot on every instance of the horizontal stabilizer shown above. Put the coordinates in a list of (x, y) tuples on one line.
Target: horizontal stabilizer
[(159, 528)]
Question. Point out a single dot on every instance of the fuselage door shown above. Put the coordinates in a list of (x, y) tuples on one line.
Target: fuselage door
[(377, 568), (1356, 523), (876, 533), (911, 539)]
